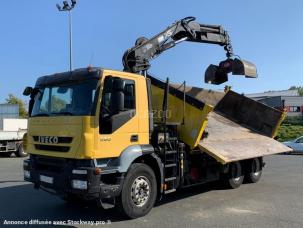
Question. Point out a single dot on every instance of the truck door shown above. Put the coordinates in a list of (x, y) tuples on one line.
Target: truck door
[(118, 117)]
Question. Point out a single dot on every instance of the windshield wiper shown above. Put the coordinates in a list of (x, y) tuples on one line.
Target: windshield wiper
[(41, 114), (63, 113)]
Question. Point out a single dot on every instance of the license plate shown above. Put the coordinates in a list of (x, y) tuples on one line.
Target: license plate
[(46, 179)]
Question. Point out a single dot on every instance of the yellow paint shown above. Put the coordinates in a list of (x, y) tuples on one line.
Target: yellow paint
[(195, 118), (216, 156), (88, 143), (275, 131), (64, 126), (111, 145)]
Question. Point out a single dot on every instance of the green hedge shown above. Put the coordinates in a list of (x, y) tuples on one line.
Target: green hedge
[(298, 120), (289, 131)]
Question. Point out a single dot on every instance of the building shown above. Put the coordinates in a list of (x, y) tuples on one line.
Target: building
[(285, 99), (9, 111)]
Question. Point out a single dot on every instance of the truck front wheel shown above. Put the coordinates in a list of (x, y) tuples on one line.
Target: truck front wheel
[(20, 152), (255, 171), (139, 191)]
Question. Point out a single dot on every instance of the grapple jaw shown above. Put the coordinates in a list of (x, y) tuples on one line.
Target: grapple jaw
[(219, 74)]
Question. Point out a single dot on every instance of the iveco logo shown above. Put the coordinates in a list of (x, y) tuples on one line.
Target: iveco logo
[(48, 139)]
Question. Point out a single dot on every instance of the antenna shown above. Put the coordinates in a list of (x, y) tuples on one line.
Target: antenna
[(91, 58), (67, 7)]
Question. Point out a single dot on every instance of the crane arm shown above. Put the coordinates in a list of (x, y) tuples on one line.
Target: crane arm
[(137, 59)]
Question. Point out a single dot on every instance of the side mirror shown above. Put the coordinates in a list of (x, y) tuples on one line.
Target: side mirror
[(117, 98), (28, 91)]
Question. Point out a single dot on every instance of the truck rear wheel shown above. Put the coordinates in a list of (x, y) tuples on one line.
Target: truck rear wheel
[(20, 152), (139, 191), (235, 176), (255, 171)]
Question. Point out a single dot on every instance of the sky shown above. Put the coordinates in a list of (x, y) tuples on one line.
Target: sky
[(34, 40)]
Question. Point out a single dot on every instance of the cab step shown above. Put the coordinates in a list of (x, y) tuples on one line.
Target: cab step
[(171, 152), (170, 165), (170, 179), (170, 191)]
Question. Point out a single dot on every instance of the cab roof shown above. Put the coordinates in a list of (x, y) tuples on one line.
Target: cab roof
[(70, 76)]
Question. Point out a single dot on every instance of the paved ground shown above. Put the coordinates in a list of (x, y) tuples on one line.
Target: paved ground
[(276, 201)]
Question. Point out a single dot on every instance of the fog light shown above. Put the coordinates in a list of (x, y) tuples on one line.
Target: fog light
[(79, 171), (79, 184), (27, 174)]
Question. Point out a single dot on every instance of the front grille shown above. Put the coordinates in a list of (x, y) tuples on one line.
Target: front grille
[(44, 163), (60, 139), (52, 148)]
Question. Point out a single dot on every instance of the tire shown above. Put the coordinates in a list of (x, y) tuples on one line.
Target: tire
[(20, 152), (140, 177), (255, 171), (235, 176), (6, 154)]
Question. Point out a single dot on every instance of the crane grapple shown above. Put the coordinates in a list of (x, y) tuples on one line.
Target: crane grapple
[(137, 59)]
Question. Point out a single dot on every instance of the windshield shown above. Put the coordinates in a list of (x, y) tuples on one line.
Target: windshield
[(77, 99)]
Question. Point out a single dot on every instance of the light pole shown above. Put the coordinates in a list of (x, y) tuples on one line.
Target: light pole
[(67, 7)]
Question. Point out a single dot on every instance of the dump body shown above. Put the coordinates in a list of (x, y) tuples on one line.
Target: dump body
[(234, 126)]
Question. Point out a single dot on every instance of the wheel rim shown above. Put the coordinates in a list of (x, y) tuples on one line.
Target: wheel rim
[(140, 191), (235, 173), (256, 168), (21, 150)]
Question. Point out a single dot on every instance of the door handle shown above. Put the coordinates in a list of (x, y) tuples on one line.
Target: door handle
[(134, 138)]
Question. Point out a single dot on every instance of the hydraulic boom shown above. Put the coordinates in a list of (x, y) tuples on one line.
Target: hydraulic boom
[(137, 59)]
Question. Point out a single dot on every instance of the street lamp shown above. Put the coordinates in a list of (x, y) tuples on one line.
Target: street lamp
[(67, 7)]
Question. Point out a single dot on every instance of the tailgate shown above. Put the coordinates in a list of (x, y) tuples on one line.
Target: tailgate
[(228, 141), (240, 128)]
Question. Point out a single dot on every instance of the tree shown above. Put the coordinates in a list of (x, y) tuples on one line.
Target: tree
[(299, 88), (57, 104), (22, 105)]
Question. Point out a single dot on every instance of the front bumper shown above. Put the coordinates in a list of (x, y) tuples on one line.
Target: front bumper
[(58, 176)]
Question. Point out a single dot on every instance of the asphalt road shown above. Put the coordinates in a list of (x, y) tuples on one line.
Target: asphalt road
[(276, 201)]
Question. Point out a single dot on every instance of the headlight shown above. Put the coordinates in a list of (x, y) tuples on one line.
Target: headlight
[(79, 184)]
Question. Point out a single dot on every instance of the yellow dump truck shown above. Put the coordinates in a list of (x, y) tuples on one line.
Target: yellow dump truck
[(125, 139)]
